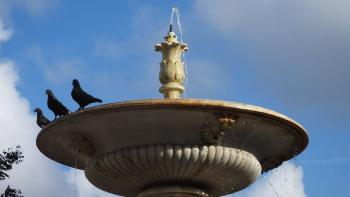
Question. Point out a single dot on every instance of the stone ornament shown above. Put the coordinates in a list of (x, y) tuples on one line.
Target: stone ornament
[(213, 131), (77, 143), (172, 74)]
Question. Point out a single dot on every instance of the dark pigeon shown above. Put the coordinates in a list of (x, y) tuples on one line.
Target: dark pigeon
[(41, 120), (81, 97), (55, 105)]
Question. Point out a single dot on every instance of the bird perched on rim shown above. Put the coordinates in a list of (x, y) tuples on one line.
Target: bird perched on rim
[(55, 105), (81, 97), (41, 120)]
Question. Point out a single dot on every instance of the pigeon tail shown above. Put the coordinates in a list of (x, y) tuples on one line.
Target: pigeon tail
[(97, 100)]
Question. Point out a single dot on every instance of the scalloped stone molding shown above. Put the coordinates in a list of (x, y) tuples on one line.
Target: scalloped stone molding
[(214, 169)]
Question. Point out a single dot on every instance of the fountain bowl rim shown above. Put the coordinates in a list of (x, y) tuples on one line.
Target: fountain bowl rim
[(190, 104)]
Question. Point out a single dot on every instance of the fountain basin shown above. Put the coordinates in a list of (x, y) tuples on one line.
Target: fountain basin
[(133, 148)]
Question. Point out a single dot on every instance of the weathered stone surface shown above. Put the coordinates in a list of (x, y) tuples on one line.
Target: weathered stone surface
[(216, 169), (142, 144), (172, 73)]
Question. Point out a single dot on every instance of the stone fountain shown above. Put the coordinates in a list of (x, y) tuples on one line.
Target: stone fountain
[(172, 146)]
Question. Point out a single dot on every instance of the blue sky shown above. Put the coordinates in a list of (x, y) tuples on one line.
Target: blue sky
[(289, 56)]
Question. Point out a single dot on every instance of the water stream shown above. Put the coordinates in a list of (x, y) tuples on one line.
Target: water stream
[(175, 12), (272, 187)]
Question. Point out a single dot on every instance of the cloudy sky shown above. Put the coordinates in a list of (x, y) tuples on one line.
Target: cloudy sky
[(292, 56)]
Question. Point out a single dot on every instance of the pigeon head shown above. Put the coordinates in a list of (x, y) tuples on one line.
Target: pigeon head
[(49, 92), (38, 111), (76, 83)]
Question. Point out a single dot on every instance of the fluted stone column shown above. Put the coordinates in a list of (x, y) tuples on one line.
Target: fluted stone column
[(172, 74)]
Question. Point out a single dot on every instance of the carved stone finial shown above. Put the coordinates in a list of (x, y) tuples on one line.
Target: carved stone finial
[(172, 74)]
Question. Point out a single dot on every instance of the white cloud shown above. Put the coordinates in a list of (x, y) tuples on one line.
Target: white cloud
[(37, 175), (284, 181), (299, 46), (34, 7), (255, 19), (5, 33)]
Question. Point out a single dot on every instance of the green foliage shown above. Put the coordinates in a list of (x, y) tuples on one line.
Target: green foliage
[(9, 192), (7, 160)]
